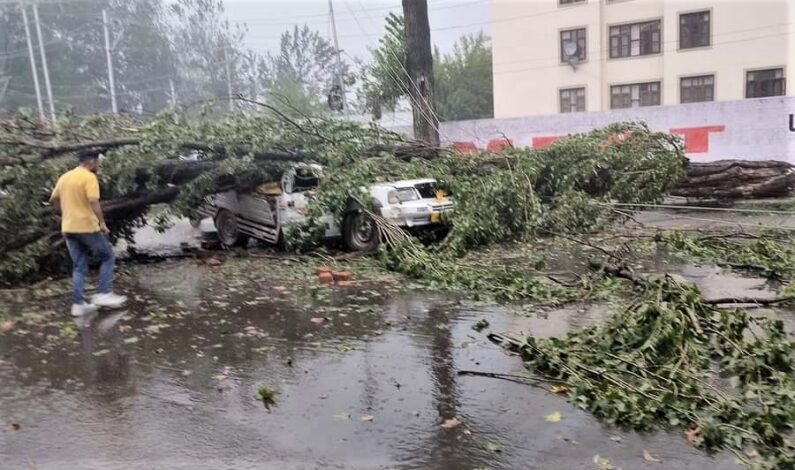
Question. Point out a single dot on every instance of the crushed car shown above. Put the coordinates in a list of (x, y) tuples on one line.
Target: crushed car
[(267, 212)]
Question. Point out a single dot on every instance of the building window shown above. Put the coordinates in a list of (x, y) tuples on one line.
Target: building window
[(567, 2), (696, 89), (635, 39), (576, 36), (694, 30), (634, 95), (761, 83), (572, 100)]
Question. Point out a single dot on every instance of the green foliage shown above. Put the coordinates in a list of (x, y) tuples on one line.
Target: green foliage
[(649, 366), (304, 70), (771, 253), (384, 81), (462, 80)]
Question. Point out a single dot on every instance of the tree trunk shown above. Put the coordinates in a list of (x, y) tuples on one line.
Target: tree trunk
[(738, 179), (419, 61)]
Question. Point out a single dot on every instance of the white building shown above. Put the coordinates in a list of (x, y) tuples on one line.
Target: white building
[(562, 56)]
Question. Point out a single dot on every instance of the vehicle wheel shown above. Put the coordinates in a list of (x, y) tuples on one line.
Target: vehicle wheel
[(226, 226), (360, 233)]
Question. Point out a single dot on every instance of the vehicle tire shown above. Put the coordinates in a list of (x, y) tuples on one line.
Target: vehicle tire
[(360, 233), (226, 227)]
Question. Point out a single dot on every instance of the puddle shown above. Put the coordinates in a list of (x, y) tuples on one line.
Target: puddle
[(172, 383)]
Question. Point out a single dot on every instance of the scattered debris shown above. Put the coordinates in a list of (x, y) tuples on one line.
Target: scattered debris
[(553, 417), (367, 417), (342, 276), (481, 325), (492, 446), (602, 463), (647, 456), (342, 416), (267, 395)]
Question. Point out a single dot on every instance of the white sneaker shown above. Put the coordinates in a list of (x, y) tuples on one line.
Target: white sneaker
[(109, 300), (80, 310)]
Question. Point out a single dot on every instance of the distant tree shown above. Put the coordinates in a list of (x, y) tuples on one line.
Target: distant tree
[(74, 42), (304, 71), (463, 79), (203, 42), (385, 80)]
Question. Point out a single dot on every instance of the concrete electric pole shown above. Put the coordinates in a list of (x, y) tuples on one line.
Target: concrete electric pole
[(44, 63), (340, 78), (33, 70), (228, 78), (419, 61), (111, 82)]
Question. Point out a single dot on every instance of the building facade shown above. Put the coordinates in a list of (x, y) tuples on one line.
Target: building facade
[(568, 56)]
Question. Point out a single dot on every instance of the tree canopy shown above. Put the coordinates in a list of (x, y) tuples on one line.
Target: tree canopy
[(463, 79)]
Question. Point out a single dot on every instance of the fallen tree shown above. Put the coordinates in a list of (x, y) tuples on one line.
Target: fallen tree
[(500, 196), (738, 179)]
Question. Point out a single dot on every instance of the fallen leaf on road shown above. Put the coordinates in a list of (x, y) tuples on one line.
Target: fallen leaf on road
[(220, 377), (602, 463), (368, 417), (693, 434), (6, 326), (101, 352), (415, 413), (317, 320), (559, 389), (492, 446), (342, 416), (751, 453), (131, 340), (14, 427), (650, 458), (467, 432), (450, 423), (553, 417), (279, 288)]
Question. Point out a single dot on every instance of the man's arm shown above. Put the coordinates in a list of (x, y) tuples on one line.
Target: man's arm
[(100, 216), (55, 197), (92, 194)]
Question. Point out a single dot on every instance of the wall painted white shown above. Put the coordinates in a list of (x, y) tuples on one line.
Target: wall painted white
[(755, 129), (528, 73)]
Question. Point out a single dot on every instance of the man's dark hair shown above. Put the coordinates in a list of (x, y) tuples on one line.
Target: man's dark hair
[(87, 154)]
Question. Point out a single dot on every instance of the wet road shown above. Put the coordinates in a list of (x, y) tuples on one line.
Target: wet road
[(366, 375)]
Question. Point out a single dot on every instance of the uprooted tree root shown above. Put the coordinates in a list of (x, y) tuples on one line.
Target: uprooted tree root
[(652, 365)]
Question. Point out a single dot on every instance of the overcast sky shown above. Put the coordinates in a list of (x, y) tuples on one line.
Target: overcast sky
[(360, 23)]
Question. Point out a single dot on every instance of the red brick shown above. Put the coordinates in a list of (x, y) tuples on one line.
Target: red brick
[(342, 275)]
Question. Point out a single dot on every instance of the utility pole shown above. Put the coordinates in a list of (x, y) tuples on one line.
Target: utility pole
[(111, 82), (228, 77), (340, 78), (419, 62), (32, 56), (173, 93), (44, 63)]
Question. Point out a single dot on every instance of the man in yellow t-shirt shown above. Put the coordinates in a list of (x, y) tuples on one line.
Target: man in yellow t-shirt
[(83, 227)]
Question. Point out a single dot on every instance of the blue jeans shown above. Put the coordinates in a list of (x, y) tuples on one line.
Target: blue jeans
[(80, 246)]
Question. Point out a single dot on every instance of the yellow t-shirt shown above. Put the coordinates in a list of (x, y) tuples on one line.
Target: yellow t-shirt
[(76, 189)]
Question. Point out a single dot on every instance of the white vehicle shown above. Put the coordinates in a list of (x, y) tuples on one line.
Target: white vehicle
[(266, 212)]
